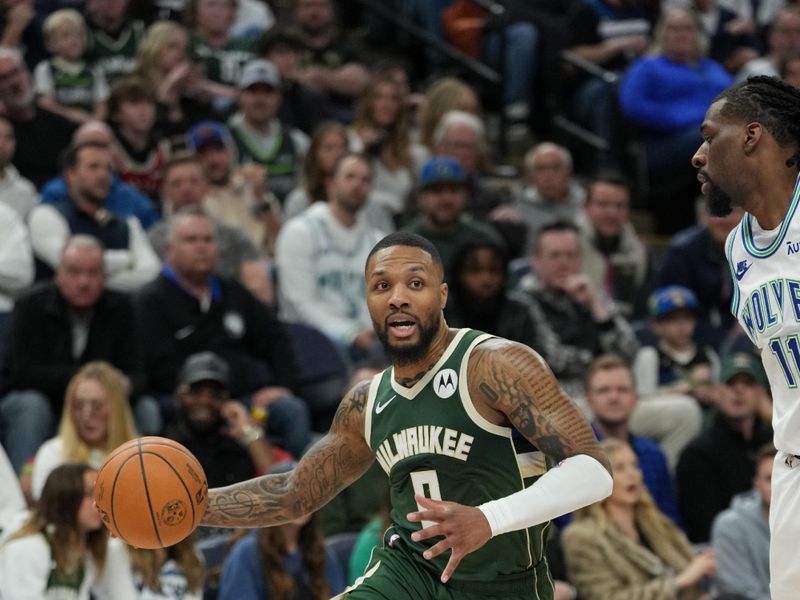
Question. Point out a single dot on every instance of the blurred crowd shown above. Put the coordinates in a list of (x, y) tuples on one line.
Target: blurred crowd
[(188, 193)]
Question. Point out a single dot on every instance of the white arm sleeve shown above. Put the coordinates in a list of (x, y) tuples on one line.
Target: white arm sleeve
[(577, 482)]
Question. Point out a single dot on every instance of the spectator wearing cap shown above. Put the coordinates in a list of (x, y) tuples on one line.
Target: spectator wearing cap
[(321, 255), (442, 199), (675, 363), (240, 197), (720, 462), (227, 440), (304, 107), (260, 136)]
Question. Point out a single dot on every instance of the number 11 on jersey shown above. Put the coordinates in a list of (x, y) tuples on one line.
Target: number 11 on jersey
[(426, 483), (791, 369)]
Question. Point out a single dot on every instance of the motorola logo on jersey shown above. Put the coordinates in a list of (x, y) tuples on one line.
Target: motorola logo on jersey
[(445, 383)]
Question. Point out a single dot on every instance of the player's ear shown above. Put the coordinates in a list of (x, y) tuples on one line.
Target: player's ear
[(752, 135), (443, 291)]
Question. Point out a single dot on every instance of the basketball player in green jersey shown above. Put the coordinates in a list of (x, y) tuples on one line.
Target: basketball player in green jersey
[(465, 426)]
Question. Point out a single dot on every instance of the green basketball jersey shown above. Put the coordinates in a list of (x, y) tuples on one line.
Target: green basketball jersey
[(431, 441), (115, 55), (223, 65)]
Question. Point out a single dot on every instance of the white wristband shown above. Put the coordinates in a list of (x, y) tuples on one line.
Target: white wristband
[(576, 482)]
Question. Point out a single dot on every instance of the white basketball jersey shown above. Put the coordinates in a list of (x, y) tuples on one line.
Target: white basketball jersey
[(765, 266)]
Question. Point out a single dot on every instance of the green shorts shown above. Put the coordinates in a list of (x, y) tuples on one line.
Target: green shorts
[(394, 573)]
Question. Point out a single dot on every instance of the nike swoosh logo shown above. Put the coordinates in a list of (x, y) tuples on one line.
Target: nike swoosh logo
[(379, 407), (741, 269)]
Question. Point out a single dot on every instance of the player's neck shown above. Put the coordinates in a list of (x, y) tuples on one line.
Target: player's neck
[(769, 203), (408, 374)]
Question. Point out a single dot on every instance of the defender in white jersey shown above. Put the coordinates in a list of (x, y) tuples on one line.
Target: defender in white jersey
[(749, 158)]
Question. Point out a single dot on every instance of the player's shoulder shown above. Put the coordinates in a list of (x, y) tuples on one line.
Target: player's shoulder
[(499, 348)]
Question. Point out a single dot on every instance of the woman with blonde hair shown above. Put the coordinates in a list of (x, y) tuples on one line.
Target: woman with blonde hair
[(179, 86), (96, 419), (624, 547), (60, 550), (441, 97)]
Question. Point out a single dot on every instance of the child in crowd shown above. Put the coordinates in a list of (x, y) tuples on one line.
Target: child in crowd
[(139, 154), (675, 364), (65, 83)]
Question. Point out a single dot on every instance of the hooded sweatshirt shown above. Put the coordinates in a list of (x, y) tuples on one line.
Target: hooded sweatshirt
[(740, 536)]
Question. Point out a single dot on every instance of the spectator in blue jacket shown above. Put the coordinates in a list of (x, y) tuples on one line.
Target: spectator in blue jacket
[(123, 200), (668, 92), (666, 95)]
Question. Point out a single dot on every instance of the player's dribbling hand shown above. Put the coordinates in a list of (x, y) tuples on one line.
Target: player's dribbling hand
[(465, 529)]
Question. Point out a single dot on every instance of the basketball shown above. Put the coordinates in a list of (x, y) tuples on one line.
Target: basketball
[(152, 492)]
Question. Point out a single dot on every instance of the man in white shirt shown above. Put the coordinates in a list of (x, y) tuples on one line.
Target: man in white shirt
[(15, 191), (321, 255)]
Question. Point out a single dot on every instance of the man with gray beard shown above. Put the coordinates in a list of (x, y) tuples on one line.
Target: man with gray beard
[(41, 134)]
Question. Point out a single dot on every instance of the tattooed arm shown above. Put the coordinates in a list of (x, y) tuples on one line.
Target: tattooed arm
[(511, 385), (513, 380), (332, 464)]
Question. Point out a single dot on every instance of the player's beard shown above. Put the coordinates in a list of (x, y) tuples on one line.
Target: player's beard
[(407, 355), (719, 202)]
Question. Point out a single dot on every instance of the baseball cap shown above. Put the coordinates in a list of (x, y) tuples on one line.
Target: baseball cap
[(207, 132), (742, 362), (668, 299), (204, 366), (441, 169), (259, 71)]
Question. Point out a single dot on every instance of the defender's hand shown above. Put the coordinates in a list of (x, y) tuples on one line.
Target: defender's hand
[(465, 529)]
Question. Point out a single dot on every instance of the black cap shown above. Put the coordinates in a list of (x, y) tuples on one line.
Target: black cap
[(204, 366)]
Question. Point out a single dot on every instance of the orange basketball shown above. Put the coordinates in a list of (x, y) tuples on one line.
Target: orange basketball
[(152, 492)]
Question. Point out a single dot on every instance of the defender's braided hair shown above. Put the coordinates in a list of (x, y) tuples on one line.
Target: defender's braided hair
[(773, 103)]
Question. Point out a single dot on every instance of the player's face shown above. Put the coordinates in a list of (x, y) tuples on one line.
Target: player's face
[(716, 161), (611, 394), (627, 488), (405, 296), (91, 409), (89, 518)]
